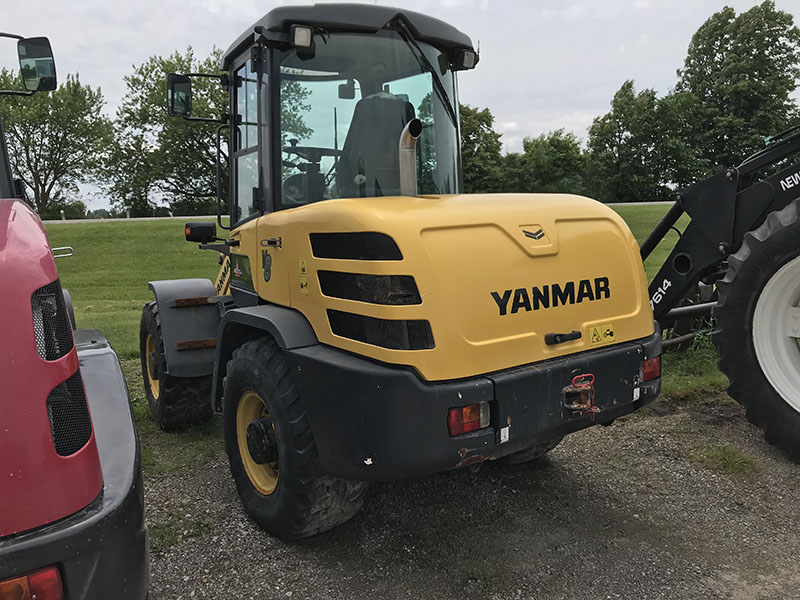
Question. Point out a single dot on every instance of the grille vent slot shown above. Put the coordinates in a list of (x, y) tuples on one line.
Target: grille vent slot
[(51, 324), (393, 290), (368, 245), (393, 334), (68, 413)]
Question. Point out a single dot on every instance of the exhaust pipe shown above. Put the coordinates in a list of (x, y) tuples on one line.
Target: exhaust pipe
[(408, 157)]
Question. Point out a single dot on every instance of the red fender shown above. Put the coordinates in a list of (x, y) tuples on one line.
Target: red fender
[(37, 484)]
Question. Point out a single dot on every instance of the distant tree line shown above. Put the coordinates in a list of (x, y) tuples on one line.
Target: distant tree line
[(735, 87)]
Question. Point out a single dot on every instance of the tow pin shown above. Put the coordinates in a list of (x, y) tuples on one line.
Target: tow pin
[(582, 386)]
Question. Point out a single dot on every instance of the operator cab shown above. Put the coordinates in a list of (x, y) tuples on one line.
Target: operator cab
[(320, 96), (343, 110)]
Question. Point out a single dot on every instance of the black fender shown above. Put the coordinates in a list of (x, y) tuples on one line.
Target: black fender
[(288, 327), (188, 315), (70, 309)]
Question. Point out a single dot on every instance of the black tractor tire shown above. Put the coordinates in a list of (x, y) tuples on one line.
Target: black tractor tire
[(531, 453), (303, 500), (175, 402), (764, 252)]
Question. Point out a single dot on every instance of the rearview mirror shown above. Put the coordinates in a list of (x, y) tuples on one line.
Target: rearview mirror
[(200, 231), (36, 64), (179, 95), (347, 91)]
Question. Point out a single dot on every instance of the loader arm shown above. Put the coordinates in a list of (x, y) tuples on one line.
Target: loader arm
[(722, 209)]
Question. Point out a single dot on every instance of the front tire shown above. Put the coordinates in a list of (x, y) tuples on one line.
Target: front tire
[(175, 402), (758, 327), (271, 450)]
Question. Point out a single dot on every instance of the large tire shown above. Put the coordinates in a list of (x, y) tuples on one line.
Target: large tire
[(287, 494), (175, 402), (532, 453), (758, 326)]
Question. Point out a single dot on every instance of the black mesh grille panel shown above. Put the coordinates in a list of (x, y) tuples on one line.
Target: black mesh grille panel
[(70, 423), (51, 324), (394, 334), (375, 289), (355, 246)]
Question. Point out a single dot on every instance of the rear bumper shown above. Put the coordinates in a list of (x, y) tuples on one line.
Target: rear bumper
[(101, 551), (377, 422)]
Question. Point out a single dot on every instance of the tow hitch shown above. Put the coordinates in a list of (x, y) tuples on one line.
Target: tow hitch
[(579, 395)]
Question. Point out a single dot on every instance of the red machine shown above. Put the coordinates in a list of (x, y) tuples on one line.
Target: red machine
[(47, 441), (71, 501)]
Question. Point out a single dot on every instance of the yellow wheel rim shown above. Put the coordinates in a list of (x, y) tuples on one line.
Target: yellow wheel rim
[(150, 366), (264, 477)]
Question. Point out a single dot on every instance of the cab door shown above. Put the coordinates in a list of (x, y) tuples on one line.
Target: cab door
[(273, 276), (249, 188)]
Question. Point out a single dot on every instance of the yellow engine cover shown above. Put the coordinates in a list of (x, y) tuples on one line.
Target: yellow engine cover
[(495, 274)]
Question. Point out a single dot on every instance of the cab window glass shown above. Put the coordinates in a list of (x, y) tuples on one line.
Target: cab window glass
[(344, 107), (245, 142)]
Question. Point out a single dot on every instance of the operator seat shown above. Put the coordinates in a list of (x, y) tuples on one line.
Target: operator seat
[(369, 164)]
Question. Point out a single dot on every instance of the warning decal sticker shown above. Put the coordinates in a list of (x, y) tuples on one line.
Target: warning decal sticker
[(302, 270), (601, 334)]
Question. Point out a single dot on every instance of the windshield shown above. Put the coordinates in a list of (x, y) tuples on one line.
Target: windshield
[(343, 109)]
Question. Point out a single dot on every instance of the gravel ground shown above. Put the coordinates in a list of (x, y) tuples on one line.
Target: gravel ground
[(634, 510)]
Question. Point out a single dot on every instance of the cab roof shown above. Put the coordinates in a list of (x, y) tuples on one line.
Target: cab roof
[(366, 18)]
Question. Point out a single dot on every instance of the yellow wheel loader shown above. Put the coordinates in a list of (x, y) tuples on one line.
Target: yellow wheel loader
[(370, 322)]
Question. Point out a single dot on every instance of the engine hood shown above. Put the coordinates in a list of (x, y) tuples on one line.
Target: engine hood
[(501, 280)]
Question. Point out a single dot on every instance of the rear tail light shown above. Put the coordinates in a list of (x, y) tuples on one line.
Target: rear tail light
[(651, 368), (41, 585), (468, 418)]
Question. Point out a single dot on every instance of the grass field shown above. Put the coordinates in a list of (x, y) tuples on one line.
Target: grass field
[(107, 277), (114, 260)]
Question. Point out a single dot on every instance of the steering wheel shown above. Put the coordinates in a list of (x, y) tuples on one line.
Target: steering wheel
[(311, 154)]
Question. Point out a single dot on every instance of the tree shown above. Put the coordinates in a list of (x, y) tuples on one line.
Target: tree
[(480, 151), (98, 213), (741, 71), (158, 158), (56, 140), (627, 147), (74, 209), (552, 162)]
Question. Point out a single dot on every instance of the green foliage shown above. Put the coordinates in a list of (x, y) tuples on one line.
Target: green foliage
[(175, 528), (294, 96), (691, 375), (159, 158), (627, 147), (735, 89), (480, 151), (741, 71), (99, 213), (552, 162), (56, 140), (72, 210), (726, 459)]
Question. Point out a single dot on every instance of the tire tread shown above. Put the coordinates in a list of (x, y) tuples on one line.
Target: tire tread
[(762, 252)]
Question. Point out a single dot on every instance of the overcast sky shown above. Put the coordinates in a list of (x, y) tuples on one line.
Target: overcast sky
[(545, 64)]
